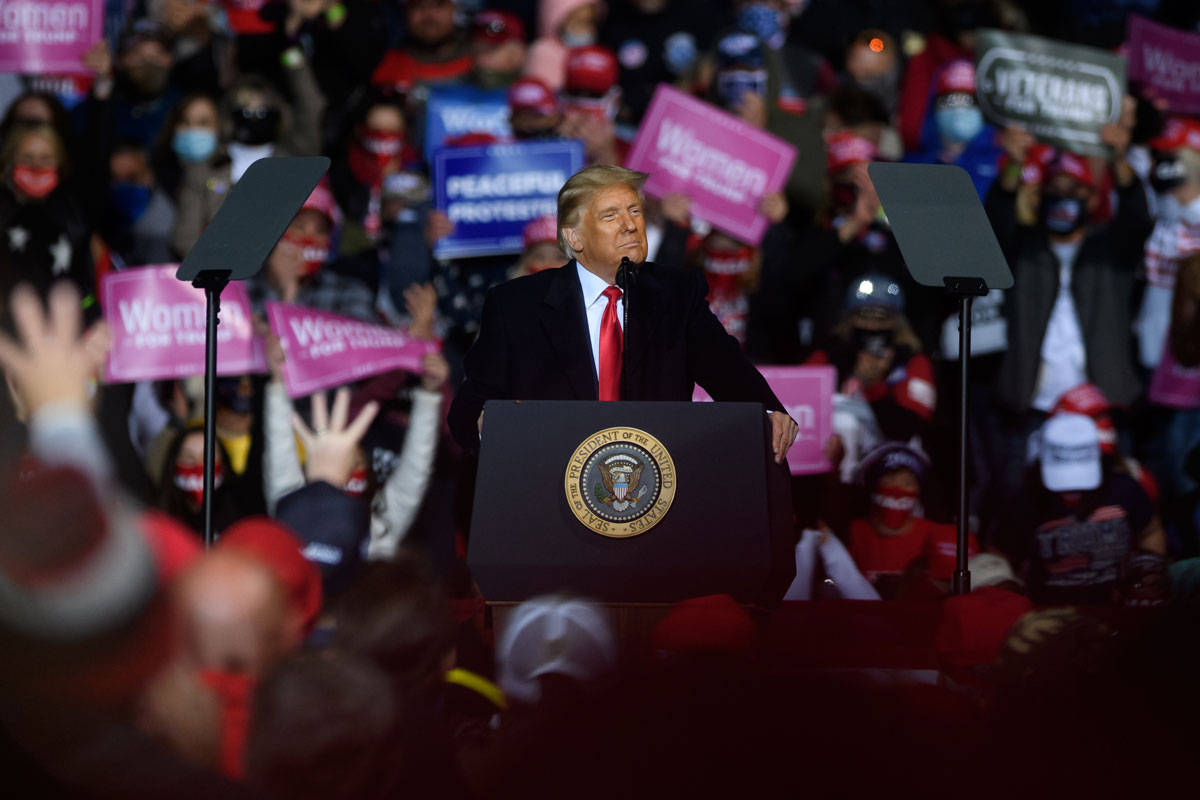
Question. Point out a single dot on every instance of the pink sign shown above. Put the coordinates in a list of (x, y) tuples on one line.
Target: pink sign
[(324, 350), (1173, 385), (48, 35), (807, 394), (724, 164), (157, 325), (1166, 62)]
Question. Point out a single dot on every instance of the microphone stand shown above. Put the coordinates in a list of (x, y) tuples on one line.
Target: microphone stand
[(626, 277)]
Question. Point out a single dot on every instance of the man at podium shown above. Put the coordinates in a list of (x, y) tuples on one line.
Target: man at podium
[(560, 334)]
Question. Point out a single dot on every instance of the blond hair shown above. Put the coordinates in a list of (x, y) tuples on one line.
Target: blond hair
[(582, 187)]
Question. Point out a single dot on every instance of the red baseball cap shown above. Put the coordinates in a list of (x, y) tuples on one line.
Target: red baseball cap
[(532, 94), (244, 18), (542, 229), (497, 28), (957, 77), (1087, 399), (974, 627), (712, 624), (1066, 163), (471, 139), (590, 69), (846, 148), (1178, 132), (322, 200), (274, 546)]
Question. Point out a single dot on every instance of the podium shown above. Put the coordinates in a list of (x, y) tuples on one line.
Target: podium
[(630, 503)]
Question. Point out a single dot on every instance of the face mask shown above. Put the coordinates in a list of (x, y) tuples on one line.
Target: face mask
[(735, 83), (150, 79), (764, 22), (892, 506), (869, 341), (131, 199), (1169, 173), (194, 145), (314, 251), (959, 124), (385, 144), (1062, 214), (573, 40), (190, 480), (357, 485), (884, 88), (36, 182), (255, 126)]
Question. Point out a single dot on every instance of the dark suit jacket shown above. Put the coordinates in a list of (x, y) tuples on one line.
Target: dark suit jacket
[(533, 345)]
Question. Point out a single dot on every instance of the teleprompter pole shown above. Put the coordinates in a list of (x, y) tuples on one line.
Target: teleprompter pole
[(966, 290), (213, 282)]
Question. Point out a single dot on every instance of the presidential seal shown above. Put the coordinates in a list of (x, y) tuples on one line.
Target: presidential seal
[(620, 482)]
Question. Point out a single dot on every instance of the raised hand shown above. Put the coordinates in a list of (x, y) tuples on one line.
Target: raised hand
[(53, 364), (331, 444)]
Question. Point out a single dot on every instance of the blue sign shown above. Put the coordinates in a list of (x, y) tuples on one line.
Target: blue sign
[(456, 110), (491, 192)]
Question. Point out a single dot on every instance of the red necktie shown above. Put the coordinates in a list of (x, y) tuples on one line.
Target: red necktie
[(610, 347)]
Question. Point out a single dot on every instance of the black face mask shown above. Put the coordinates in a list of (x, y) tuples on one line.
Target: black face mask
[(255, 126), (1168, 173), (874, 342), (1061, 214)]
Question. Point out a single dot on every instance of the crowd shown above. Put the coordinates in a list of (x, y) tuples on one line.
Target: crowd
[(332, 643)]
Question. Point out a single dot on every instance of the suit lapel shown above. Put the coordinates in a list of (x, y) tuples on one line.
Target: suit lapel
[(565, 325)]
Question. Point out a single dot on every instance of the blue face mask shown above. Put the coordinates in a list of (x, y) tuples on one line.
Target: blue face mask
[(959, 124), (735, 83), (194, 144), (573, 40), (131, 199)]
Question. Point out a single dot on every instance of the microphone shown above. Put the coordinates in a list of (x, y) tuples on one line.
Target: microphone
[(626, 275)]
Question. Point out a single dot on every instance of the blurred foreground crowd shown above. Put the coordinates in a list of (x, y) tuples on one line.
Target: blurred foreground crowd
[(332, 643)]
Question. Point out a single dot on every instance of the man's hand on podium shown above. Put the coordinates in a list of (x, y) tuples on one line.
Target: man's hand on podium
[(783, 434)]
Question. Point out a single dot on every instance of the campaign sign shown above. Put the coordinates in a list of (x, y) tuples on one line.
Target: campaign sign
[(491, 192), (1061, 93), (1166, 62), (457, 110), (157, 325), (1173, 385), (807, 394), (724, 164), (48, 35), (322, 350)]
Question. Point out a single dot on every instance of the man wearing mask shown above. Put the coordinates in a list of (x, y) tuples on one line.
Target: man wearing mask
[(140, 216), (1175, 178), (1068, 312), (955, 133), (142, 95)]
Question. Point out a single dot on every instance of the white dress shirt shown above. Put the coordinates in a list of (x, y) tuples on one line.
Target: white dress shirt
[(1064, 356), (594, 303)]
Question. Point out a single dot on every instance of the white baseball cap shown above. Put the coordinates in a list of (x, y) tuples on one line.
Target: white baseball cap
[(553, 634), (1070, 452)]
